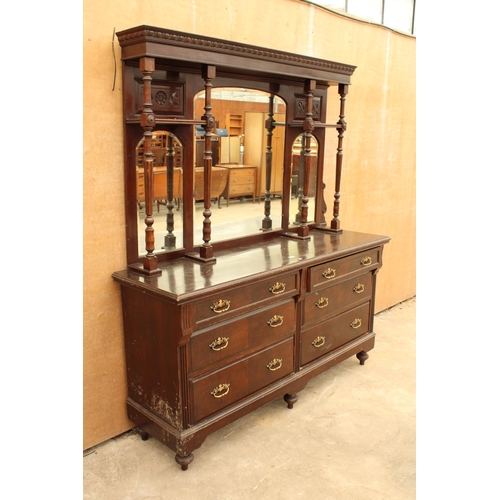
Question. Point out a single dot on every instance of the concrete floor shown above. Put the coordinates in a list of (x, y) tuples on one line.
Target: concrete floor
[(350, 436)]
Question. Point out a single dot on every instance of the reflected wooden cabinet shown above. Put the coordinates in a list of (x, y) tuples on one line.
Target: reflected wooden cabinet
[(217, 329), (200, 147), (160, 185), (234, 124), (218, 183), (241, 181)]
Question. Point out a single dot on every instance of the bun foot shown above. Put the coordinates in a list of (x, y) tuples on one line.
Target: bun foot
[(362, 356), (184, 461), (290, 399), (144, 435)]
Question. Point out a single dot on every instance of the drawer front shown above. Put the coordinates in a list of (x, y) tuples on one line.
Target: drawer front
[(241, 189), (227, 386), (242, 177), (334, 333), (330, 301), (140, 186), (326, 274), (237, 338), (238, 300)]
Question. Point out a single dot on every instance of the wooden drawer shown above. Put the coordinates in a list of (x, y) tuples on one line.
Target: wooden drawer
[(330, 301), (334, 333), (242, 177), (140, 186), (241, 190), (330, 272), (237, 338), (224, 387), (227, 304)]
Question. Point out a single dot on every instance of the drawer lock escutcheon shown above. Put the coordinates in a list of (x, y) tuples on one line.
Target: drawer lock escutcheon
[(318, 341), (220, 391), (356, 323), (275, 364), (219, 343), (329, 273), (275, 321), (221, 306), (359, 288), (366, 261), (322, 302), (277, 288)]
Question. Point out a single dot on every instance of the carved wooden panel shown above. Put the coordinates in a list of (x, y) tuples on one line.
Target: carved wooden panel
[(167, 98), (301, 108)]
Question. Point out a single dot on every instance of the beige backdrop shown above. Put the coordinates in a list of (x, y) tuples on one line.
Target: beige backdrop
[(378, 182)]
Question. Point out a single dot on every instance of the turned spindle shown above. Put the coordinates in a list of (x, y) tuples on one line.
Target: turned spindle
[(341, 127), (267, 223), (308, 126), (206, 250), (148, 121)]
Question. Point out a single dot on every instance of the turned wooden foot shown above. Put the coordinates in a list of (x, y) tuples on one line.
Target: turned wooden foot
[(144, 435), (184, 461), (362, 356), (291, 399)]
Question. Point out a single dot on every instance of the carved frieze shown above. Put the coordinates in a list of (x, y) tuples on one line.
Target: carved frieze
[(167, 98), (198, 42), (301, 108)]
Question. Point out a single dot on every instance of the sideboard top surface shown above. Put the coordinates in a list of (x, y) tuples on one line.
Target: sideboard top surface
[(183, 278)]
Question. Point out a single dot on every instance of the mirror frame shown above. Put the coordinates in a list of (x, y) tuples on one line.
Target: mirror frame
[(162, 70)]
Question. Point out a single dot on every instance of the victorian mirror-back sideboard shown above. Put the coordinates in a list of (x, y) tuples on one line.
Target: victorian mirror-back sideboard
[(222, 316)]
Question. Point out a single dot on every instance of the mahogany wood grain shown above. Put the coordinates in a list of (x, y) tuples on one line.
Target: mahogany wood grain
[(242, 336), (215, 331), (337, 298), (242, 379), (333, 333)]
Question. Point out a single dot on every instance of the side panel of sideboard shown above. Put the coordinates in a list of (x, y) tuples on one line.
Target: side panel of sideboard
[(154, 367)]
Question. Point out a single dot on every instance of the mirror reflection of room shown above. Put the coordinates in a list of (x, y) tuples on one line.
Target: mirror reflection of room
[(239, 147), (167, 153), (297, 182)]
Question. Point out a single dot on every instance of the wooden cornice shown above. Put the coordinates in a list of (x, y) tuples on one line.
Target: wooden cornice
[(148, 41)]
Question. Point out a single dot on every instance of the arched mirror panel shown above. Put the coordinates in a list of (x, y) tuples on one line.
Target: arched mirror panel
[(240, 147), (167, 179)]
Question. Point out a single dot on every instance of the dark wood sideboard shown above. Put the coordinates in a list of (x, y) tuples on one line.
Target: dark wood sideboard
[(207, 344), (216, 330)]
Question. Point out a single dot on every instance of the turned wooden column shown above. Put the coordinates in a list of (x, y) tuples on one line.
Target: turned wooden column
[(341, 127), (170, 236), (267, 222), (148, 121), (308, 126), (206, 250)]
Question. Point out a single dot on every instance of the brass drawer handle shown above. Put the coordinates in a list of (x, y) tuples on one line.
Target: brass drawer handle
[(221, 306), (220, 391), (318, 341), (275, 321), (356, 323), (275, 364), (359, 288), (329, 273), (321, 303), (277, 288), (219, 343), (366, 261)]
